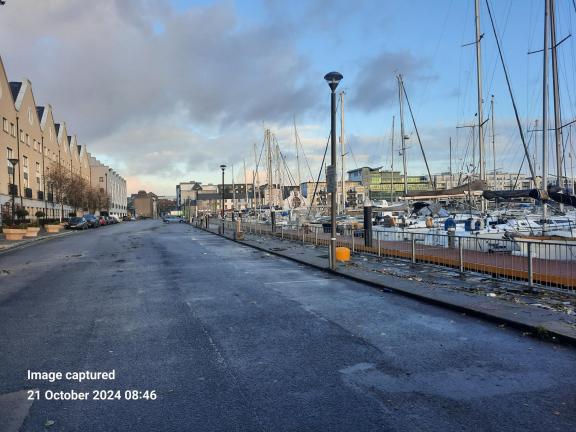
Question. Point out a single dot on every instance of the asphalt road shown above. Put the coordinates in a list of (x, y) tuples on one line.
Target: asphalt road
[(233, 339)]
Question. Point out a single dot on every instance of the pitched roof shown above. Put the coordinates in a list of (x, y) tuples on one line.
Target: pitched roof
[(15, 87)]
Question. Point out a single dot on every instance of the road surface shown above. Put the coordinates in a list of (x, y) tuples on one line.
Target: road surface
[(209, 335)]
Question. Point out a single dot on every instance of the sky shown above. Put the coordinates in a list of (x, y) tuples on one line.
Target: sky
[(166, 91)]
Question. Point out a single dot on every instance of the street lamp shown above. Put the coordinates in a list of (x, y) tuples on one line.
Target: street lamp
[(13, 162), (333, 79), (223, 168)]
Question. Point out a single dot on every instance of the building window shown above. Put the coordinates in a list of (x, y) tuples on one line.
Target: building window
[(38, 167), (28, 140), (5, 125), (9, 155), (12, 129), (101, 179)]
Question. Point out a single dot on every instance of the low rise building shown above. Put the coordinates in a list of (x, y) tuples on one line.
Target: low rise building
[(145, 205)]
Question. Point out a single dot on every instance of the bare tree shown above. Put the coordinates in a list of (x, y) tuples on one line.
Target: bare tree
[(58, 179)]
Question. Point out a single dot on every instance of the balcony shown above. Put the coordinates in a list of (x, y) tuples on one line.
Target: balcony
[(28, 192)]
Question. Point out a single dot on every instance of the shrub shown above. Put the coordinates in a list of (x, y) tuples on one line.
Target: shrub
[(21, 213), (40, 214)]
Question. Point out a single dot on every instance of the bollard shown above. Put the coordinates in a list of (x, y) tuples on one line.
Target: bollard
[(273, 221), (282, 232), (353, 250), (530, 266), (368, 224), (378, 240), (316, 236), (461, 254), (413, 248)]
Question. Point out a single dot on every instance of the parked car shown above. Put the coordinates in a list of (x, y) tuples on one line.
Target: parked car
[(173, 219), (110, 220), (92, 221), (77, 223), (127, 219), (102, 221)]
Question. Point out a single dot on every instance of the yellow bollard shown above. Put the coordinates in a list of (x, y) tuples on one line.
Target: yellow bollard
[(342, 254)]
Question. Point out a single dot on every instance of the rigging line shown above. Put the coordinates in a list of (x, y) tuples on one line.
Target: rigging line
[(438, 42), (352, 154), (510, 91), (319, 174), (495, 60), (299, 141), (418, 135), (288, 172)]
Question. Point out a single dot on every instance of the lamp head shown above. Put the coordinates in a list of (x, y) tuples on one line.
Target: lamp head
[(223, 167), (333, 78)]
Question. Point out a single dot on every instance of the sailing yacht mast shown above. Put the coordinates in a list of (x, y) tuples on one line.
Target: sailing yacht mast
[(479, 90), (402, 135), (233, 191), (245, 184), (297, 153), (557, 112), (545, 108), (255, 179), (392, 164), (450, 166), (343, 202), (493, 141)]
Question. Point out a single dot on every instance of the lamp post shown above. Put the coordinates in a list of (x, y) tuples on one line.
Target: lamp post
[(13, 162), (332, 78), (223, 168)]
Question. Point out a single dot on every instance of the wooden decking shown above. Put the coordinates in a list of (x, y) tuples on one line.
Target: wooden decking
[(499, 264)]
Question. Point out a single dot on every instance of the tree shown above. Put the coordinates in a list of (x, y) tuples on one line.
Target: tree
[(58, 179), (76, 191)]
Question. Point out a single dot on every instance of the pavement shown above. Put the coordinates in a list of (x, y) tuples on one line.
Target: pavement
[(231, 338), (7, 245), (545, 314)]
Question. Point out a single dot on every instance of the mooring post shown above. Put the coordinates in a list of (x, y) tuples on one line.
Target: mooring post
[(413, 248), (461, 254), (530, 266)]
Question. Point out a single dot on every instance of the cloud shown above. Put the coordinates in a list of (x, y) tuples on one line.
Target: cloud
[(102, 65), (376, 84)]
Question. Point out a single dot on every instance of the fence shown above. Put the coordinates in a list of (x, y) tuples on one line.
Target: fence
[(544, 263)]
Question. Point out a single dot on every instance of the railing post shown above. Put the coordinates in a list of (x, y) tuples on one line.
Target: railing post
[(316, 236), (353, 242), (413, 248), (303, 233), (530, 265), (461, 254)]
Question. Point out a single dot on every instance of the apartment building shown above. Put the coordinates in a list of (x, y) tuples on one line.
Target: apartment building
[(106, 180), (37, 144)]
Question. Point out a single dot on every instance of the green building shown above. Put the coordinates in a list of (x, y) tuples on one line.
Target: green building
[(387, 185)]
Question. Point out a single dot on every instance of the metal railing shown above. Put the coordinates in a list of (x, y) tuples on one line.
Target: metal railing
[(542, 263)]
